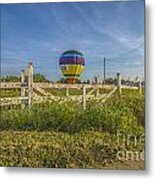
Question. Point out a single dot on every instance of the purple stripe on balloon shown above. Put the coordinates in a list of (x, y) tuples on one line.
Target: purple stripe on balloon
[(72, 60)]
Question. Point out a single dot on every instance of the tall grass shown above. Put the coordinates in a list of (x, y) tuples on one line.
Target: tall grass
[(125, 114)]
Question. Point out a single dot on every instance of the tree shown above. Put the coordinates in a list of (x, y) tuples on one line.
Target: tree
[(38, 77), (62, 80), (110, 81), (10, 79)]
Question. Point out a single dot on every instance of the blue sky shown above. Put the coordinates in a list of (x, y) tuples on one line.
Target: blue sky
[(42, 32)]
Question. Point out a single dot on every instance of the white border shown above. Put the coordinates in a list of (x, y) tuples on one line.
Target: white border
[(35, 1), (149, 173)]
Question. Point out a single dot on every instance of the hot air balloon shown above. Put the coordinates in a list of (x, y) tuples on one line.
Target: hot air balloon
[(72, 64)]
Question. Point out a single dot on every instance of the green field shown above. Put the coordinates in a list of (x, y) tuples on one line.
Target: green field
[(63, 135), (9, 92), (62, 92)]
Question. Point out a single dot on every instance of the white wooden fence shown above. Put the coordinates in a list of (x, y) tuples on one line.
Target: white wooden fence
[(37, 91)]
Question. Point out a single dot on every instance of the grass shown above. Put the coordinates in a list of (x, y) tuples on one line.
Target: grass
[(125, 114), (87, 149), (63, 135), (62, 92), (9, 93)]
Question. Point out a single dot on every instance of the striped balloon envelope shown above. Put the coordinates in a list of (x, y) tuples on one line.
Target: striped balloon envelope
[(72, 64)]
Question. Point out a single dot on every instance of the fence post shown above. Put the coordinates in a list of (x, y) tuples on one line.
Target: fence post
[(22, 88), (84, 98), (119, 84), (67, 91), (30, 84), (97, 91), (140, 88)]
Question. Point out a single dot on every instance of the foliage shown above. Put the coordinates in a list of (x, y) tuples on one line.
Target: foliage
[(110, 81), (64, 81), (38, 77), (10, 79)]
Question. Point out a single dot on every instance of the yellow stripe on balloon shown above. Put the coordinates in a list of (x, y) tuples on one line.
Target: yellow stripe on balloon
[(72, 69)]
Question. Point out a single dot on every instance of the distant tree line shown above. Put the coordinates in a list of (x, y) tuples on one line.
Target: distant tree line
[(38, 77), (10, 79), (78, 81)]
